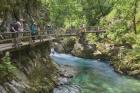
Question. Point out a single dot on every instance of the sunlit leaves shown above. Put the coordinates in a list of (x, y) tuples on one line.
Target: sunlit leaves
[(76, 12)]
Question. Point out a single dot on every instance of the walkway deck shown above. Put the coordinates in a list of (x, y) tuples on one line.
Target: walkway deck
[(75, 34), (9, 46), (8, 37)]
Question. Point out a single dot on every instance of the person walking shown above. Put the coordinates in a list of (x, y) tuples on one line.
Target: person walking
[(20, 30), (17, 29), (49, 29), (82, 28), (82, 34), (34, 29)]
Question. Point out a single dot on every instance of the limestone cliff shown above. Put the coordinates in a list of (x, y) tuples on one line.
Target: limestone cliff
[(35, 72)]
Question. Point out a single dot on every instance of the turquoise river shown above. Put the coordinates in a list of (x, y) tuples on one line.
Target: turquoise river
[(96, 76)]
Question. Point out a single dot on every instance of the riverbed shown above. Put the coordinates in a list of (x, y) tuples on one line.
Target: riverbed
[(93, 76)]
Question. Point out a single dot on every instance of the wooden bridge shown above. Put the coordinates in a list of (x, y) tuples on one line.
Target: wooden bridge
[(9, 40), (76, 32)]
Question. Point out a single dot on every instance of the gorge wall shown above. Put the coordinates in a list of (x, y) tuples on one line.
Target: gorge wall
[(34, 72)]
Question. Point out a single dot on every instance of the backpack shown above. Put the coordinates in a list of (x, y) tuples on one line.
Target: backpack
[(15, 26)]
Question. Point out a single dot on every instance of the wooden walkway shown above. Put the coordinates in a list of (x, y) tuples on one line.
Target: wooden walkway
[(7, 43), (10, 46), (76, 34)]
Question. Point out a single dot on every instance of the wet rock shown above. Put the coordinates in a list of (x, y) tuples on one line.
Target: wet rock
[(63, 81), (69, 45), (11, 88), (61, 90), (67, 89), (19, 85), (78, 49), (2, 90), (90, 48), (66, 74), (65, 46), (35, 72), (85, 51), (134, 73), (59, 48)]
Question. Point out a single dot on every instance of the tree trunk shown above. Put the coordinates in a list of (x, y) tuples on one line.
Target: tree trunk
[(134, 17)]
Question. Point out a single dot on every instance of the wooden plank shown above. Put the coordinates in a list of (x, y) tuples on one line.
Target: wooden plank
[(9, 46), (101, 31), (42, 36)]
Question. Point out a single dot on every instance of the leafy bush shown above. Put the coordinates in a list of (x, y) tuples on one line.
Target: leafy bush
[(92, 38), (7, 69)]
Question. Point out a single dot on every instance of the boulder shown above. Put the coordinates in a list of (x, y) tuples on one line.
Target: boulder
[(85, 51), (59, 48), (78, 49), (65, 46)]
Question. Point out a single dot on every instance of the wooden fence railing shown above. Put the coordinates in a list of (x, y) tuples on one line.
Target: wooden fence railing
[(88, 29), (11, 37)]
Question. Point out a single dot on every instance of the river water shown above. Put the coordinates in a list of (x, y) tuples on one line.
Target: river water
[(95, 76)]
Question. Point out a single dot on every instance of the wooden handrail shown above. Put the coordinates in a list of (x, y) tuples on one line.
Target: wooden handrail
[(14, 32), (11, 36)]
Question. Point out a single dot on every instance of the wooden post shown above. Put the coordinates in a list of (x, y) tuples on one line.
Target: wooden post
[(97, 33), (40, 35), (30, 38), (15, 39)]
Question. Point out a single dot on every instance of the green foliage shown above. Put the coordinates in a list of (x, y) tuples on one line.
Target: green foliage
[(122, 26), (92, 38), (119, 23), (67, 13), (7, 69), (134, 54)]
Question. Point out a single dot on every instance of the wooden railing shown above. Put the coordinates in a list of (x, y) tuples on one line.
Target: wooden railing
[(89, 29), (11, 37), (96, 29)]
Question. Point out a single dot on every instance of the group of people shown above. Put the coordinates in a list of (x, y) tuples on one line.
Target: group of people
[(18, 26), (21, 26)]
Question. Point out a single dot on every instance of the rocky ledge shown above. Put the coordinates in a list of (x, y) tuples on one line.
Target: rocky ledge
[(64, 85), (123, 57)]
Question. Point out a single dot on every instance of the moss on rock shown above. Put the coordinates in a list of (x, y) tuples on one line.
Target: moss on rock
[(35, 71)]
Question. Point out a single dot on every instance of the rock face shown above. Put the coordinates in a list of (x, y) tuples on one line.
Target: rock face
[(35, 73), (58, 47), (65, 46), (124, 58), (79, 47), (66, 75), (127, 62), (81, 50)]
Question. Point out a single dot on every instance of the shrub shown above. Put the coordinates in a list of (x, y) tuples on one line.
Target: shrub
[(7, 69)]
